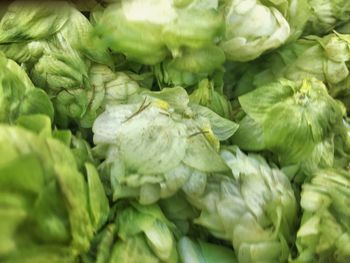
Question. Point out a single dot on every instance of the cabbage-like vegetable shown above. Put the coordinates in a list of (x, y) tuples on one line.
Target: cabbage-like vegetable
[(157, 143), (254, 208), (254, 27), (324, 232), (145, 229), (291, 119), (48, 210), (18, 95)]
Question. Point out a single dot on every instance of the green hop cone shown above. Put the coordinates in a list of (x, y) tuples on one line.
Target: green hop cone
[(254, 27), (324, 232), (310, 118), (29, 20), (254, 208), (58, 61), (157, 143), (326, 15), (48, 209), (163, 28), (323, 58), (18, 95)]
